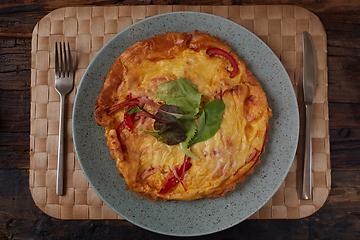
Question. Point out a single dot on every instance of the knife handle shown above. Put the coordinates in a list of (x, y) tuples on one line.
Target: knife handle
[(306, 191)]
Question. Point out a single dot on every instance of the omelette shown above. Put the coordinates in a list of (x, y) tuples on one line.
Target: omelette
[(184, 118)]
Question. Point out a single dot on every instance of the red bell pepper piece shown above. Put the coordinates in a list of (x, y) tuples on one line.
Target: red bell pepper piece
[(220, 52), (120, 127), (128, 121), (129, 118), (171, 182)]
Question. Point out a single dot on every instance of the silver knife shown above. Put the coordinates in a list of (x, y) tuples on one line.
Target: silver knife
[(309, 84)]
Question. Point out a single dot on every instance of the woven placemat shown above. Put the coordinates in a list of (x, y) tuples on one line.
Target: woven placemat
[(89, 28)]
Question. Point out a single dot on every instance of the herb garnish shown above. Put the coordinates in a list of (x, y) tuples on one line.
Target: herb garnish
[(133, 110), (167, 127), (184, 94), (175, 120), (210, 121)]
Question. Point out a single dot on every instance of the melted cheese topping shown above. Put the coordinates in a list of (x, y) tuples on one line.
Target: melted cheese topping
[(207, 73), (224, 158)]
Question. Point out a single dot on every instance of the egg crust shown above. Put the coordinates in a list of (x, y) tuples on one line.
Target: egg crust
[(147, 164)]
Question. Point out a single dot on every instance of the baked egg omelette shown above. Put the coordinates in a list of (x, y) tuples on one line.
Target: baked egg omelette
[(184, 118)]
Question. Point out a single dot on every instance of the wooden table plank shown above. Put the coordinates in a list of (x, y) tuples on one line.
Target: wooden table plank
[(339, 218)]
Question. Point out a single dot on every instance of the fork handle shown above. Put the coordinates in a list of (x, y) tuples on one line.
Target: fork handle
[(60, 163)]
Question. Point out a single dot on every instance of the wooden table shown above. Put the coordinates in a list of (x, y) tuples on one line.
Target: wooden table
[(339, 218)]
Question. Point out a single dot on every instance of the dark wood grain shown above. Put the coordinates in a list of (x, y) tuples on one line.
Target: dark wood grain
[(15, 67), (339, 218)]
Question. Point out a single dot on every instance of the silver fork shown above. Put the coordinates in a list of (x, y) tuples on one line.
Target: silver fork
[(64, 83)]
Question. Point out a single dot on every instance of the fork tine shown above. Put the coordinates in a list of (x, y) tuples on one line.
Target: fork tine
[(61, 62), (70, 61), (66, 68), (56, 60)]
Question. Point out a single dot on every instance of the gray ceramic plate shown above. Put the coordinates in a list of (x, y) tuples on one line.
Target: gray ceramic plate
[(203, 216)]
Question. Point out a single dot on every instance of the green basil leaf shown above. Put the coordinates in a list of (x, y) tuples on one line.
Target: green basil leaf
[(182, 93), (133, 110), (153, 133), (174, 111), (210, 121), (190, 128)]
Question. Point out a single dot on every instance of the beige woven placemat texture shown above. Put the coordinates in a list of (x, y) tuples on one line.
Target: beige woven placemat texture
[(89, 28)]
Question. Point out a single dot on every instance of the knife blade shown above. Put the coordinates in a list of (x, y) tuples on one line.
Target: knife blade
[(309, 84)]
